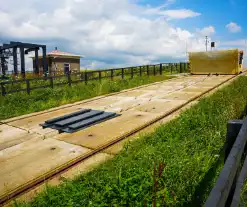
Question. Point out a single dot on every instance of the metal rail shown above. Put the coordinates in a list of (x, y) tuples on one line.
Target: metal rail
[(66, 166)]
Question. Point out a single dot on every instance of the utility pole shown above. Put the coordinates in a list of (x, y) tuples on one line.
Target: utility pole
[(186, 49), (245, 46), (206, 43)]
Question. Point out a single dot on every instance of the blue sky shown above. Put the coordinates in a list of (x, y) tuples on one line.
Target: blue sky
[(117, 33), (217, 13)]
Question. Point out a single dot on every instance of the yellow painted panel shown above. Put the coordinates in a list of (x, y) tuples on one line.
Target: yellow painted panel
[(220, 62)]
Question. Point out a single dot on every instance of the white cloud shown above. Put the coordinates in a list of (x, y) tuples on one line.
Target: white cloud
[(170, 14), (240, 44), (233, 27), (179, 13), (108, 32), (206, 31), (166, 4), (236, 43)]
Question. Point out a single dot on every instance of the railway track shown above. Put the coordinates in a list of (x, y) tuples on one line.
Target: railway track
[(6, 198)]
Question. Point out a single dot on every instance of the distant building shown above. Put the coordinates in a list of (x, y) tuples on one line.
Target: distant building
[(60, 62)]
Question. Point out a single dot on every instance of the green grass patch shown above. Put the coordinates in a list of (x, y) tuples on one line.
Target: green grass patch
[(21, 103), (243, 195), (186, 151)]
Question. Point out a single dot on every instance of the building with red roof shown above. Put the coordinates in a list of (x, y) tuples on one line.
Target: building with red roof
[(60, 62)]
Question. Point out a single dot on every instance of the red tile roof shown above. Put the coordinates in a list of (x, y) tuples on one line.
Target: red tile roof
[(60, 53)]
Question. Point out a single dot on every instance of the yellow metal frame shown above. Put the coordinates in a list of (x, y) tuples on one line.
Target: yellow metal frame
[(215, 62)]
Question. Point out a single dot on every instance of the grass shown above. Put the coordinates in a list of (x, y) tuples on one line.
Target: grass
[(243, 196), (186, 152), (21, 103)]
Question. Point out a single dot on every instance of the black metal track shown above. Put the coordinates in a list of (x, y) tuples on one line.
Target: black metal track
[(78, 120), (89, 122), (52, 121)]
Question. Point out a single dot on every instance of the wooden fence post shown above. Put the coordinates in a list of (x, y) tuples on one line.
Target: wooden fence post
[(154, 70), (140, 70), (170, 65), (180, 68), (69, 79), (122, 73), (147, 70), (112, 71), (85, 77), (51, 82), (82, 75), (160, 68), (132, 73), (28, 86), (100, 76), (3, 89), (233, 128)]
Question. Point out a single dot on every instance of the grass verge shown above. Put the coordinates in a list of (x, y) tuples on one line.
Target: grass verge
[(21, 103), (243, 196), (174, 166)]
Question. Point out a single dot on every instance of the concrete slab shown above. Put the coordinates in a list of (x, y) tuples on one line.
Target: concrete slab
[(159, 106), (102, 102), (10, 136), (107, 131), (209, 84), (32, 124), (158, 87), (116, 148), (123, 106), (82, 168), (195, 89), (22, 163), (45, 133), (120, 104), (180, 95), (181, 80), (135, 93)]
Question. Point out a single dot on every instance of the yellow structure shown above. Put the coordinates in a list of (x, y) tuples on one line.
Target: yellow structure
[(216, 62)]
